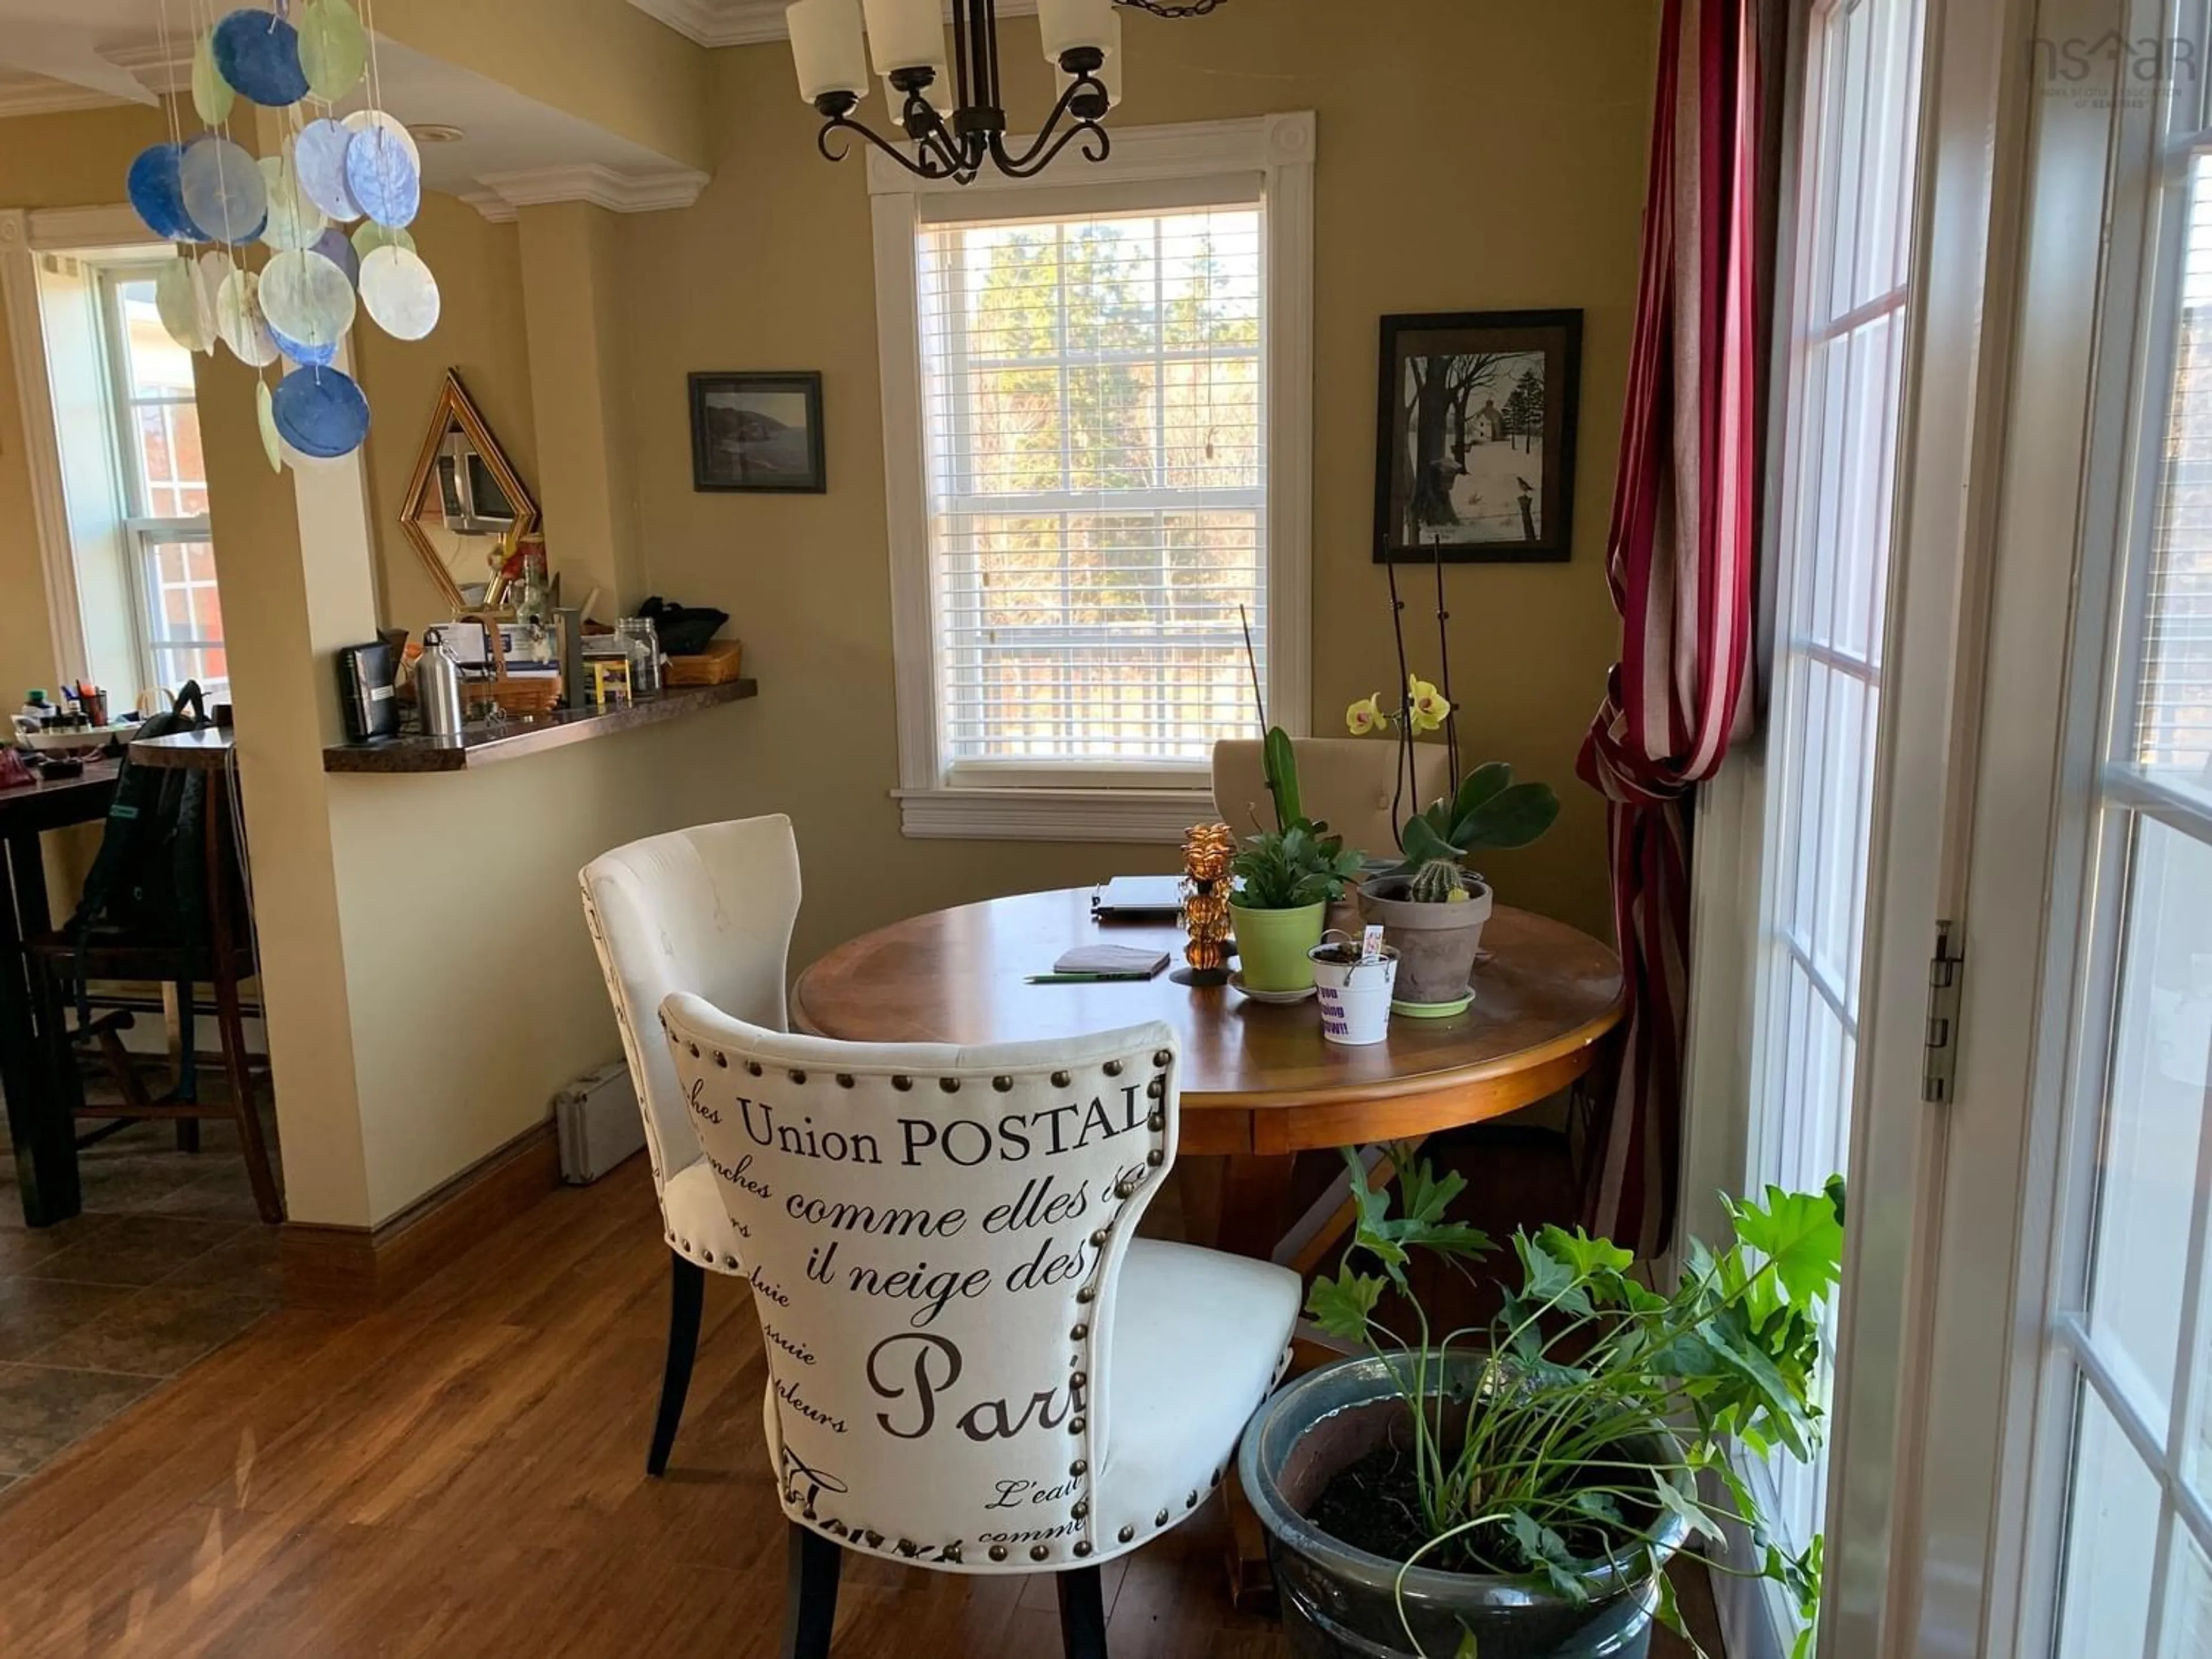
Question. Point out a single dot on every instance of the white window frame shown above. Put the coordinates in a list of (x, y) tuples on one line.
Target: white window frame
[(1945, 538), (27, 236), (146, 530), (1273, 154)]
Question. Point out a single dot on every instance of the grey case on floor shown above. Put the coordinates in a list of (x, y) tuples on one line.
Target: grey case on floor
[(598, 1122)]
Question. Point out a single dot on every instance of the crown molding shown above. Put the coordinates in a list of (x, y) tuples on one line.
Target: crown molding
[(491, 203), (156, 71), (752, 22), (45, 97), (499, 196)]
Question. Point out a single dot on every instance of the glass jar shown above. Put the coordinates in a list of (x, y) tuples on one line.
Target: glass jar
[(641, 644)]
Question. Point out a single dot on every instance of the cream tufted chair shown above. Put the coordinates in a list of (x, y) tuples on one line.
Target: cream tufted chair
[(706, 910), (973, 1364)]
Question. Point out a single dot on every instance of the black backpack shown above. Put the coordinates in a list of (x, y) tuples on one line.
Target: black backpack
[(148, 885)]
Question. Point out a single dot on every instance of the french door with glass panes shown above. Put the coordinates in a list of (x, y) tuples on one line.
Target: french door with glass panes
[(2065, 1501)]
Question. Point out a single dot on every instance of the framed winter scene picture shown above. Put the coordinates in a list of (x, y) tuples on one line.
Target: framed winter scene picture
[(1476, 462)]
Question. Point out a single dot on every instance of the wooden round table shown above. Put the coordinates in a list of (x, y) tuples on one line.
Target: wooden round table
[(1260, 1084), (1257, 1079)]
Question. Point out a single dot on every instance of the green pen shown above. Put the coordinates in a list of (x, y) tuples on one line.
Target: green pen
[(1082, 979)]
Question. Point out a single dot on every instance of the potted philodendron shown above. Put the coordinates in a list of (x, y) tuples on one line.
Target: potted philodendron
[(1517, 1491), (1287, 876), (1432, 907)]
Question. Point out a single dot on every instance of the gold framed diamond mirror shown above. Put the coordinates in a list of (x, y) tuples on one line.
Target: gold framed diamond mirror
[(467, 509)]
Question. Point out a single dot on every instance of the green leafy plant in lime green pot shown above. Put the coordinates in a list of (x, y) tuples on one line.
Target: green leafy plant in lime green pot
[(1288, 877)]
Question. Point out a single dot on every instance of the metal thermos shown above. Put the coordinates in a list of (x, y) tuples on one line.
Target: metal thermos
[(438, 689)]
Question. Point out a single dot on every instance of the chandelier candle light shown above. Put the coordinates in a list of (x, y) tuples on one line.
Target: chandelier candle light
[(949, 105)]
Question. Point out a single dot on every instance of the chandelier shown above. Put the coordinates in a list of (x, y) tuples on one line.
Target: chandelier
[(953, 117)]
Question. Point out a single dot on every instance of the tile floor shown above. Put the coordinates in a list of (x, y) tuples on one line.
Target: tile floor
[(168, 1262)]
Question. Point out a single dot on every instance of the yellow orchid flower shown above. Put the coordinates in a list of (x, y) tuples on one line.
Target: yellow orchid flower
[(1366, 715), (1425, 705)]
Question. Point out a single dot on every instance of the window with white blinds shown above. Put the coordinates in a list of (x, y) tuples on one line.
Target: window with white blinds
[(1093, 404)]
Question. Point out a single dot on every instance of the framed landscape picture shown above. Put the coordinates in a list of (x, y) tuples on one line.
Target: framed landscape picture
[(758, 432), (1476, 459)]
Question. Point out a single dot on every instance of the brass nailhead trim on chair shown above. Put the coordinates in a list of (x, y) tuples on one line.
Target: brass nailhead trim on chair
[(1079, 1468), (754, 1067), (694, 1047), (1002, 1084), (1156, 1088), (1161, 1519), (1075, 1426), (1081, 1511), (1099, 1237), (1191, 1502), (721, 1060), (1079, 1333), (1083, 1547), (1113, 1068), (1127, 1534), (844, 1079), (950, 1085), (1157, 1122), (1040, 1553), (1156, 1158), (902, 1083), (998, 1552), (1061, 1079), (1164, 1058), (798, 1077)]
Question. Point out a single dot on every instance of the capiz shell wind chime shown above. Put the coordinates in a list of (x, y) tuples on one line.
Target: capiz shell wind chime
[(287, 315)]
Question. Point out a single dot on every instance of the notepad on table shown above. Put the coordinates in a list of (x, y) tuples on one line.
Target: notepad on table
[(1116, 961), (1129, 898)]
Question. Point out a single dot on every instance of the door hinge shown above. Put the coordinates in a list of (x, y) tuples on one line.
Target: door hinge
[(1946, 971)]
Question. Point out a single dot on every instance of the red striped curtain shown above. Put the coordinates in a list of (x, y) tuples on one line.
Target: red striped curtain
[(1679, 557)]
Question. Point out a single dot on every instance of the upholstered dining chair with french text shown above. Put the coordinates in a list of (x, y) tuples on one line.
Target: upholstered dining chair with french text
[(974, 1365), (707, 910)]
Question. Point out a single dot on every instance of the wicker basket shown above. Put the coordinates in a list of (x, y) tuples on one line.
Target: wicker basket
[(516, 698), (718, 664)]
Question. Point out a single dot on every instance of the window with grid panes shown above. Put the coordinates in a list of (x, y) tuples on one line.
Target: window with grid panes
[(1096, 488), (1848, 311), (164, 487)]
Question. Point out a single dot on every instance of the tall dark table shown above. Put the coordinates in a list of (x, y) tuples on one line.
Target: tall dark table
[(45, 1137)]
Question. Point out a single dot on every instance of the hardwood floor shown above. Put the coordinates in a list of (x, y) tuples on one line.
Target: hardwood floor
[(463, 1475)]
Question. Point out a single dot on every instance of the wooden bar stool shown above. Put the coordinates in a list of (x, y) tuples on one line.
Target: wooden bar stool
[(223, 960)]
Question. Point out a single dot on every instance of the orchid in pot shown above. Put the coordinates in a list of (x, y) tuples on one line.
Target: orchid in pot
[(1516, 1490), (1432, 906)]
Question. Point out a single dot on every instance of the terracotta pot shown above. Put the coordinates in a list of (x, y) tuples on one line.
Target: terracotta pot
[(1436, 943)]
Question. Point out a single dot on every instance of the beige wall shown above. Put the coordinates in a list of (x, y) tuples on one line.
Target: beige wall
[(76, 160), (1471, 158), (603, 60), (480, 332)]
